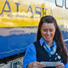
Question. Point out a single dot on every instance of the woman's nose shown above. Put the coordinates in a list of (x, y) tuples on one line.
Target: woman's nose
[(48, 32)]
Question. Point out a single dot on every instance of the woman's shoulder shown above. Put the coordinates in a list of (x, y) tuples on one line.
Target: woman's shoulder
[(31, 46)]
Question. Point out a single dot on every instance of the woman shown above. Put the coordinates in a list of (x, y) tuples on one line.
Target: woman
[(49, 46)]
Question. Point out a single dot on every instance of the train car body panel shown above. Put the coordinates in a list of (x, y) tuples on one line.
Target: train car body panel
[(21, 13), (15, 40), (19, 20)]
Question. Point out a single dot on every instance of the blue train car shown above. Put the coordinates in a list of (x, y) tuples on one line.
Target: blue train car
[(19, 20)]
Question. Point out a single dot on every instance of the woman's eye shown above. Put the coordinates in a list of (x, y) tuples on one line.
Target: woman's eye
[(48, 30), (51, 30), (44, 30)]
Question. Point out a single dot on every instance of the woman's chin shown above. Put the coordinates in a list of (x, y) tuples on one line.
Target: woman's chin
[(48, 40)]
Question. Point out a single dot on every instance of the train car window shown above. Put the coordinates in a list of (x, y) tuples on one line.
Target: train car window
[(59, 3), (66, 4)]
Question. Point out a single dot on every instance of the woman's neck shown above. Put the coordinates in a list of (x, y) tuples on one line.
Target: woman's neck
[(50, 43)]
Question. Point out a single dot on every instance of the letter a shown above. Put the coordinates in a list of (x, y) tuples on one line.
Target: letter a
[(6, 3)]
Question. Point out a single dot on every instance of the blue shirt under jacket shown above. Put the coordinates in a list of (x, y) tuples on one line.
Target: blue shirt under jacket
[(30, 55)]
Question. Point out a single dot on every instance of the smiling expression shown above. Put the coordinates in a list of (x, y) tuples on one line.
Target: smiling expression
[(48, 32)]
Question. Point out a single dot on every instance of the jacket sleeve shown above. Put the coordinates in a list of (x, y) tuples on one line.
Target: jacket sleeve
[(30, 56)]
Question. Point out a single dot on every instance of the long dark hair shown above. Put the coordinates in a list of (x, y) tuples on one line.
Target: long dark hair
[(58, 36)]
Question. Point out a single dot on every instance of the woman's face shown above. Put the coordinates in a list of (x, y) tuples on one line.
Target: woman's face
[(48, 31)]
